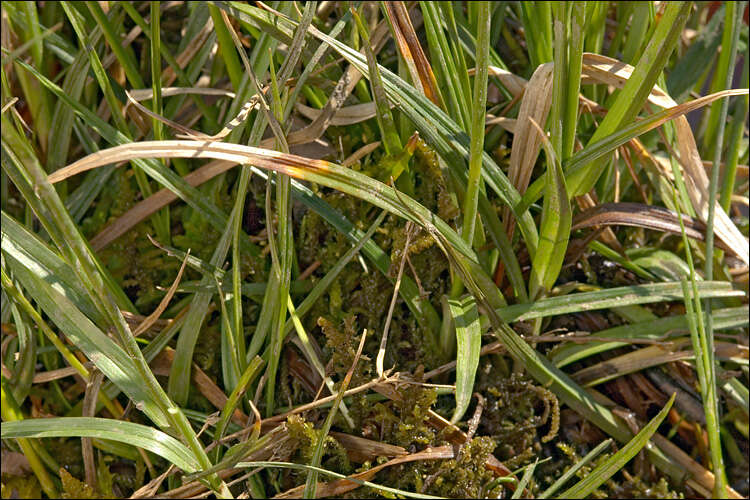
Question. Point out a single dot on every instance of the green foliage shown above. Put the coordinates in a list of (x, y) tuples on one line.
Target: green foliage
[(304, 279)]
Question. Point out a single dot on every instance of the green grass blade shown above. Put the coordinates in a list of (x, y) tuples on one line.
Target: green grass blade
[(243, 385), (98, 347), (732, 26), (576, 164), (469, 344), (633, 96), (654, 329), (11, 414), (527, 475), (554, 229), (289, 465), (700, 54), (611, 297), (311, 483), (439, 130), (617, 461), (568, 474), (139, 435), (478, 112)]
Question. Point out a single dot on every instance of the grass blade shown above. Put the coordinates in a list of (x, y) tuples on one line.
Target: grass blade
[(616, 462), (575, 468), (469, 344), (554, 230), (138, 435)]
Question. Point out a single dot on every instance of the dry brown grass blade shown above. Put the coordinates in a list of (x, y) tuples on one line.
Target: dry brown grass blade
[(145, 94), (508, 124), (360, 153), (598, 69), (645, 216), (602, 69), (133, 320), (342, 486), (606, 235), (535, 105), (292, 165), (700, 479), (343, 88), (154, 316), (647, 357), (513, 83), (143, 209), (410, 48), (168, 76), (360, 449), (186, 131), (742, 170), (347, 115)]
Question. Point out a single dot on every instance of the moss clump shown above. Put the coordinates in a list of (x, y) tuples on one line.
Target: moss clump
[(73, 488), (341, 345), (511, 416), (21, 487), (304, 439)]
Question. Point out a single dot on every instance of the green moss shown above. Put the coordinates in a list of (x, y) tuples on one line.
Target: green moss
[(305, 439), (73, 488), (341, 345), (21, 487)]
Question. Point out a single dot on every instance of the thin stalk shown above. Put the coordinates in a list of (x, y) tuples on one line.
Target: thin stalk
[(559, 78), (732, 23), (479, 106), (736, 130), (577, 25)]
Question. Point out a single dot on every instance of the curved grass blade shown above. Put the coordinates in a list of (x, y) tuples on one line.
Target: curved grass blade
[(110, 358), (29, 251), (655, 329), (441, 132), (611, 297), (121, 431), (575, 468), (617, 461), (155, 169), (606, 145)]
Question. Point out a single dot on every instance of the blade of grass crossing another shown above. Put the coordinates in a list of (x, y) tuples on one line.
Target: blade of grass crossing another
[(633, 96), (161, 223), (248, 376), (554, 229), (732, 26), (311, 484), (527, 475), (613, 464), (139, 435), (11, 414), (575, 468)]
